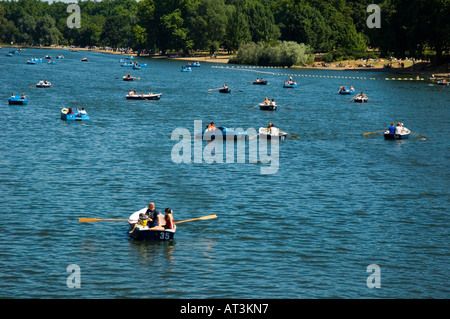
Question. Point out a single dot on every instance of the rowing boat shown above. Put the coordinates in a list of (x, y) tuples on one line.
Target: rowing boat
[(150, 96), (144, 233), (43, 85), (275, 133)]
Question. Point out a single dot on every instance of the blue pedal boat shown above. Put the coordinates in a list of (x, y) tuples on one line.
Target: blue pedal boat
[(76, 116), (346, 91), (17, 100), (186, 69), (224, 133), (289, 85)]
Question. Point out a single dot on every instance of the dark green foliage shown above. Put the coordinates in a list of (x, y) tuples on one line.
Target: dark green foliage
[(335, 27)]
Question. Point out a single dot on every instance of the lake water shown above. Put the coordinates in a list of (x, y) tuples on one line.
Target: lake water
[(338, 202)]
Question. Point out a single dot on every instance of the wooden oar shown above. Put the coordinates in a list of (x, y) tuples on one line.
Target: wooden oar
[(418, 135), (354, 97), (215, 89), (293, 136), (285, 107), (251, 108), (93, 220), (200, 218), (373, 132), (251, 137)]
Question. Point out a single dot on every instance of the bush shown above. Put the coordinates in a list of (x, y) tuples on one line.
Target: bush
[(286, 53)]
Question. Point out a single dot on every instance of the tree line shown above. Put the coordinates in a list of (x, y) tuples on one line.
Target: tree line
[(336, 27)]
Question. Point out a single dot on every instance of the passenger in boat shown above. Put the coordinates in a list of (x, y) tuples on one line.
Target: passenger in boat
[(211, 127), (273, 102), (12, 95), (152, 214), (404, 129), (23, 96), (352, 88), (168, 216), (143, 220), (225, 86), (392, 128), (83, 111), (70, 111), (398, 128), (266, 100)]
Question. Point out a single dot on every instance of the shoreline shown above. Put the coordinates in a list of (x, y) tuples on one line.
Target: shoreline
[(347, 65)]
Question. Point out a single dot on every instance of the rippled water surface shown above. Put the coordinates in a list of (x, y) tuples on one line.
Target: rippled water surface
[(339, 201)]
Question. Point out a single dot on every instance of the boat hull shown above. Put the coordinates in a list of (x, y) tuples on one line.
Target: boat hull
[(364, 100), (146, 234), (267, 107), (347, 92), (260, 82), (227, 90), (289, 86), (388, 136), (17, 101)]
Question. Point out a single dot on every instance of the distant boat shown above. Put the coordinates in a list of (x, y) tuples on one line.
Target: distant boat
[(75, 116), (43, 85), (260, 82), (223, 132), (84, 59), (150, 96), (442, 82), (194, 64), (278, 134), (344, 90), (290, 84), (17, 100), (186, 69), (361, 99)]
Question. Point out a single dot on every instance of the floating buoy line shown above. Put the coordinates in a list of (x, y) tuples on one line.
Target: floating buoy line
[(254, 69)]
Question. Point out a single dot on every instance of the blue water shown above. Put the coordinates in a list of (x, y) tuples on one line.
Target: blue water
[(339, 201)]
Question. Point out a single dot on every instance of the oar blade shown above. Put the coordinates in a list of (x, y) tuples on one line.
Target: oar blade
[(200, 218)]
